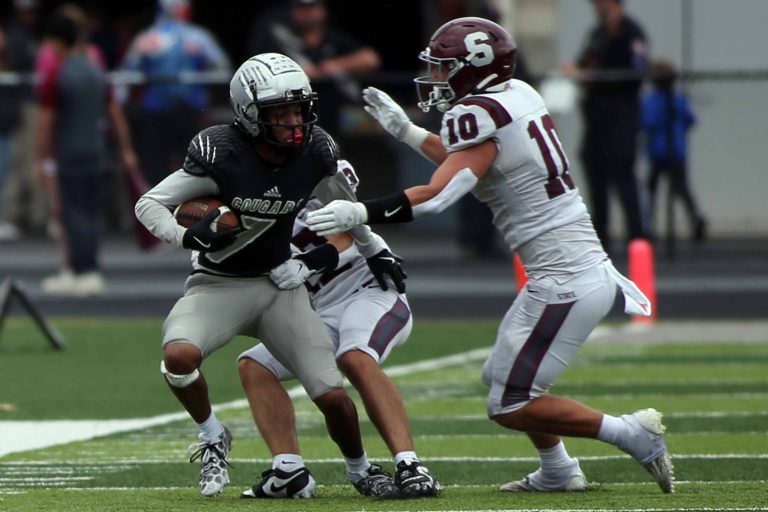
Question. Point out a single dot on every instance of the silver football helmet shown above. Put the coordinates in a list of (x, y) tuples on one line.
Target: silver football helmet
[(265, 80)]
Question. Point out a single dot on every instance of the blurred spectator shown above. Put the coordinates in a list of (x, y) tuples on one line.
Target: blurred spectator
[(667, 118), (17, 55), (169, 113), (611, 111), (47, 66), (330, 58), (102, 35), (75, 100)]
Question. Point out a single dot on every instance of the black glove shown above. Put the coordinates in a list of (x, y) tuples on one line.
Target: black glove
[(383, 264), (200, 237)]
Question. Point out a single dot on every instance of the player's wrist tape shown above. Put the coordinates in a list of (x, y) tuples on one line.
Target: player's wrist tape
[(390, 209), (325, 257), (414, 136)]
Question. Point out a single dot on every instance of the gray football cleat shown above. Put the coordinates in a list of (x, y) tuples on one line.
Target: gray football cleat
[(214, 475), (376, 483)]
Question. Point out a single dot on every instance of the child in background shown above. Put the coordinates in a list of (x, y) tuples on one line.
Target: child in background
[(666, 119)]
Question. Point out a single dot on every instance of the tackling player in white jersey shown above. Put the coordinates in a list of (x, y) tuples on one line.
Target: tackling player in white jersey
[(366, 318), (498, 141)]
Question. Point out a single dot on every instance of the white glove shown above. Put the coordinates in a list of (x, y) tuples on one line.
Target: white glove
[(290, 274), (386, 111), (337, 217)]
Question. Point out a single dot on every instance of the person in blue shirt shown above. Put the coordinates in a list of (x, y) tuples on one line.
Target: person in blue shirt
[(168, 112), (667, 118)]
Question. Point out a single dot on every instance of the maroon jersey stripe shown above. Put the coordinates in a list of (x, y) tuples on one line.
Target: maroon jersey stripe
[(387, 328), (498, 113)]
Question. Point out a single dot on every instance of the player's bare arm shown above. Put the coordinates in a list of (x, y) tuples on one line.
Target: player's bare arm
[(478, 159), (341, 242)]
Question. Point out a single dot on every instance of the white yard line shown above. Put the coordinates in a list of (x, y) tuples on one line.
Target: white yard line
[(30, 435), (59, 467)]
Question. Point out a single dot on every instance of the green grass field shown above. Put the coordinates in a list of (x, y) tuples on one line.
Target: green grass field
[(713, 395)]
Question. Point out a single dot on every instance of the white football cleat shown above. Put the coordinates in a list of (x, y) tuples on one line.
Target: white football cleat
[(575, 481), (648, 448)]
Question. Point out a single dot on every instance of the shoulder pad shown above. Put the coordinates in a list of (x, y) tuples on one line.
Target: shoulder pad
[(323, 147), (500, 116), (208, 148), (471, 121)]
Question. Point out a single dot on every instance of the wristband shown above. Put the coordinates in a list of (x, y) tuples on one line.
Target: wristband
[(390, 209), (324, 257), (414, 136)]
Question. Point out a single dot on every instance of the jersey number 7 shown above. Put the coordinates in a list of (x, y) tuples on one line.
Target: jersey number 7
[(556, 181)]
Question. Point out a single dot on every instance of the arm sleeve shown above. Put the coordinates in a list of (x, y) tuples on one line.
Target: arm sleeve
[(461, 183), (155, 208)]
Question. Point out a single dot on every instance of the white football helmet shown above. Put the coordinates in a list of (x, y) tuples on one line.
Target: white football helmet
[(266, 80)]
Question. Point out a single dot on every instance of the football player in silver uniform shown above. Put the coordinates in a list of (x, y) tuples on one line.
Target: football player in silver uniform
[(264, 166), (498, 141), (367, 315)]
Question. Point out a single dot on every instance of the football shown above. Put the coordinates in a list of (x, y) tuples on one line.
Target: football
[(190, 212)]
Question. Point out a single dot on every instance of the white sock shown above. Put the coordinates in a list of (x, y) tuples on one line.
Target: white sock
[(554, 459), (287, 462), (612, 429), (356, 468), (408, 457), (210, 429)]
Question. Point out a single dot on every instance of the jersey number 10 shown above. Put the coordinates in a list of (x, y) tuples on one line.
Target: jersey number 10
[(556, 181)]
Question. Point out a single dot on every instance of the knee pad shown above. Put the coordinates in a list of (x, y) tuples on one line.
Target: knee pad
[(179, 381)]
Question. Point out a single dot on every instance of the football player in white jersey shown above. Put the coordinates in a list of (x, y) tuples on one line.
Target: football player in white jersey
[(366, 318), (498, 141)]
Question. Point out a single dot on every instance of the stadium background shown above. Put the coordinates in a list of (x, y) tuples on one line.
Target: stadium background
[(724, 73), (705, 372)]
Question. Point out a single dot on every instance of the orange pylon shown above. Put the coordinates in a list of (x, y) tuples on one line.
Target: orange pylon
[(520, 276), (642, 272)]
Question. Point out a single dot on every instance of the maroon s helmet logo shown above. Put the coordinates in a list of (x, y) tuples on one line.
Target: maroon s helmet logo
[(466, 55)]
